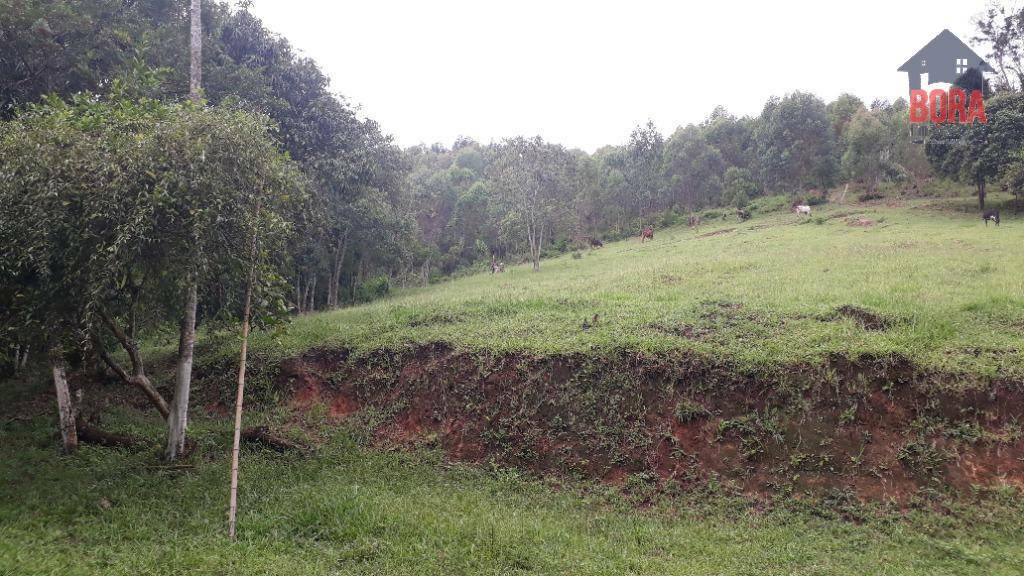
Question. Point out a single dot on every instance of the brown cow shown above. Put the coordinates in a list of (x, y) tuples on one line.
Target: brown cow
[(646, 234)]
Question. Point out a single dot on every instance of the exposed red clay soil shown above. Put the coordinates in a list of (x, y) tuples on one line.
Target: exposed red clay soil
[(876, 428)]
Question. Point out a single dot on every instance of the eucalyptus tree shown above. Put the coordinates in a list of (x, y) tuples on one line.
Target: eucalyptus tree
[(535, 180), (642, 168), (731, 136), (693, 168), (794, 143)]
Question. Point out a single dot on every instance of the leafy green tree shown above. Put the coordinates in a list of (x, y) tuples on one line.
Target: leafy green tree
[(63, 47), (693, 169), (740, 187), (867, 144), (979, 153), (1002, 29), (642, 168), (841, 111), (143, 194), (731, 136), (794, 143), (535, 181)]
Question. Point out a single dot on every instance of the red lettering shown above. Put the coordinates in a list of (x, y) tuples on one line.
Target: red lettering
[(918, 106), (976, 108), (938, 101), (957, 106)]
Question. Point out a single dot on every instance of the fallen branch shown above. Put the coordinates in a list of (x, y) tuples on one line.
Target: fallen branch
[(262, 435), (91, 435)]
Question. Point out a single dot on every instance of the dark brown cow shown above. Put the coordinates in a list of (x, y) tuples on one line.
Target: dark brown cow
[(646, 234)]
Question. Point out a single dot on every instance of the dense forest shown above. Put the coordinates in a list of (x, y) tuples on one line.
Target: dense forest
[(126, 205)]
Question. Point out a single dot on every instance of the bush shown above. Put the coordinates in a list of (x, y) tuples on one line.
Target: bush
[(868, 196), (767, 204), (670, 218), (373, 289)]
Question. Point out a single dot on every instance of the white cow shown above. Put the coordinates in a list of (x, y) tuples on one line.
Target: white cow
[(802, 209)]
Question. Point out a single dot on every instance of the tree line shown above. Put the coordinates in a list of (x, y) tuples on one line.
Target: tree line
[(525, 196)]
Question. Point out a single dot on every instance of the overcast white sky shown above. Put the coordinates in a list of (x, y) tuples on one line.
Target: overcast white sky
[(583, 73)]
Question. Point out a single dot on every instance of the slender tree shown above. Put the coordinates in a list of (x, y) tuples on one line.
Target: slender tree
[(178, 420)]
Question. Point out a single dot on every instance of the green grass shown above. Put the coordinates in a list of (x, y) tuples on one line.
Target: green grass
[(353, 510), (762, 294)]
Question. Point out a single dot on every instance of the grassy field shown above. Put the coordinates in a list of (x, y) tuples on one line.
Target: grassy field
[(767, 292), (951, 289), (350, 510)]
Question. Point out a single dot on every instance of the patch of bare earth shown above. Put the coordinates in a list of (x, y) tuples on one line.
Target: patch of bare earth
[(850, 425)]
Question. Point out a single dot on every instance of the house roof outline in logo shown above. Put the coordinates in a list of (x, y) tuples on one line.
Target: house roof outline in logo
[(944, 59)]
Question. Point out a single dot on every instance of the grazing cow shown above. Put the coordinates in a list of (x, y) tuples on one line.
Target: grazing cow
[(694, 221), (992, 215), (646, 234), (496, 267), (742, 214), (596, 243), (802, 209)]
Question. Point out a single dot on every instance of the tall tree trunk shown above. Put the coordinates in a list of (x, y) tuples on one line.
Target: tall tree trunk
[(311, 294), (195, 78), (981, 194), (178, 420), (540, 248), (240, 395), (65, 409), (339, 259)]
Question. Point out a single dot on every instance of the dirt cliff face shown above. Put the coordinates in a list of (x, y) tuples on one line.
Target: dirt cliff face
[(875, 429)]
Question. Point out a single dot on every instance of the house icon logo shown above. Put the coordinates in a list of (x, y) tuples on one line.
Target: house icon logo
[(944, 59)]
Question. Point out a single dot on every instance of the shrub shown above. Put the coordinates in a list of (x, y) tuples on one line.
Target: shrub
[(767, 204), (670, 218), (373, 289)]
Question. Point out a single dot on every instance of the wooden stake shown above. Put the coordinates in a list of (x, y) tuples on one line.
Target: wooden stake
[(240, 393)]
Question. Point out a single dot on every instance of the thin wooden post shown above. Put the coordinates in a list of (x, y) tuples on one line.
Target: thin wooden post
[(240, 393)]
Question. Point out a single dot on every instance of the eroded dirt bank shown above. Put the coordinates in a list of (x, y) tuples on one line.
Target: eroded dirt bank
[(874, 428)]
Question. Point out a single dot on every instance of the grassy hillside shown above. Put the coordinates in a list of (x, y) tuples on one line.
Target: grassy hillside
[(350, 510), (948, 292), (523, 380)]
